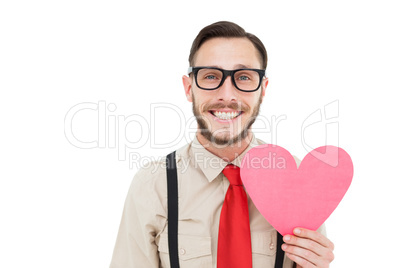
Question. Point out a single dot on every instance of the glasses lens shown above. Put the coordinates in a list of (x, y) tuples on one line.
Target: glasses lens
[(247, 80), (209, 78)]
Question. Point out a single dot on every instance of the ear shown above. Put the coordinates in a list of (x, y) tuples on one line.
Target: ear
[(264, 85), (187, 82)]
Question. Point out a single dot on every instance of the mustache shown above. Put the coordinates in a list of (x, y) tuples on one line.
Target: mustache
[(233, 106)]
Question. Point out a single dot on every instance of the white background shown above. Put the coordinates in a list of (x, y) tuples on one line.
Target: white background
[(61, 205)]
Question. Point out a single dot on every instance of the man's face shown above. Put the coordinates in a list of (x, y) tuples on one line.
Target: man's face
[(224, 115)]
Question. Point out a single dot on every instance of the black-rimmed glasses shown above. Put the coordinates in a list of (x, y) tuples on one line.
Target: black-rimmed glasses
[(210, 78)]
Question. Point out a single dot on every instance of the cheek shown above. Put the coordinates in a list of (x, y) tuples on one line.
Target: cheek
[(251, 102), (257, 100), (201, 100)]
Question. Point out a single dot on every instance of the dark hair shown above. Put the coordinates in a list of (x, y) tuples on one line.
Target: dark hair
[(226, 29)]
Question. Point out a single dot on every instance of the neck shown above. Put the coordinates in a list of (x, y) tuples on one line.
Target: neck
[(226, 152)]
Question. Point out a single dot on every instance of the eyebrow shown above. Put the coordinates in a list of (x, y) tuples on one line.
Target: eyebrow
[(241, 66), (237, 66)]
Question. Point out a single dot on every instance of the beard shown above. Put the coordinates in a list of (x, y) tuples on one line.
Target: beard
[(224, 139)]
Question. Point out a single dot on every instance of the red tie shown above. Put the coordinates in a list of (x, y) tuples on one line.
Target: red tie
[(234, 240)]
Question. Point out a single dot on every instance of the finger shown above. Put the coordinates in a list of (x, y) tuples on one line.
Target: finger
[(302, 252), (306, 243), (307, 255), (300, 261), (315, 236)]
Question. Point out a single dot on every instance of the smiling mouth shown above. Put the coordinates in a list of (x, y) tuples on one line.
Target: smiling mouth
[(226, 115)]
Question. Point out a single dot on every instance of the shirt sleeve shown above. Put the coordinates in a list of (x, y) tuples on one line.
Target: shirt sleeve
[(143, 218)]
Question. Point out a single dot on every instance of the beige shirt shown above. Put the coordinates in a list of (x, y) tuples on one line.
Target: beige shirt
[(142, 238)]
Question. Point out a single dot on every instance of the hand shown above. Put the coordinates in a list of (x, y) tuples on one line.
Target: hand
[(308, 248)]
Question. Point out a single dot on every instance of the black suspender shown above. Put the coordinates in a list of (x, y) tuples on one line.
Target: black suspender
[(279, 252), (173, 211), (173, 216)]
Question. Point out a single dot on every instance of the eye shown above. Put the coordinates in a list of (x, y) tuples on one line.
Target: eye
[(246, 76), (243, 78), (210, 77)]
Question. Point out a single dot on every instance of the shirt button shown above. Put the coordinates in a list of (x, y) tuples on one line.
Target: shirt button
[(271, 246), (182, 251)]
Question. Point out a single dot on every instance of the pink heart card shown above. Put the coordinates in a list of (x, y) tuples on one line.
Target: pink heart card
[(289, 196)]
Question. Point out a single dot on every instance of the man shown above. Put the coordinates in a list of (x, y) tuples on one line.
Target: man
[(225, 104)]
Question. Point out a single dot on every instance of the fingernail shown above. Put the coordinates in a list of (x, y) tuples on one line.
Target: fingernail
[(286, 238), (284, 246), (297, 231)]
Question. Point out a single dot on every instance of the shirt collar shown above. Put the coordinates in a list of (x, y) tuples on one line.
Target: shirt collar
[(212, 165)]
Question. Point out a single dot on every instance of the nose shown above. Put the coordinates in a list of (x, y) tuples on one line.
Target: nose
[(227, 92)]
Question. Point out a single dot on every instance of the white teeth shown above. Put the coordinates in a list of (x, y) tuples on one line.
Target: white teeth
[(226, 116)]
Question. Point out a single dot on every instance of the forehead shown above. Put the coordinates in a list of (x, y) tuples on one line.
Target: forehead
[(228, 53)]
